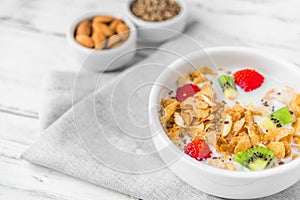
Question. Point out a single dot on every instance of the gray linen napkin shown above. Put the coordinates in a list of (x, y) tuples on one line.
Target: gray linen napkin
[(104, 137), (57, 95)]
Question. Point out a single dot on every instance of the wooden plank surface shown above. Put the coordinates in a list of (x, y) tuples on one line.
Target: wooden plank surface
[(32, 42), (21, 180)]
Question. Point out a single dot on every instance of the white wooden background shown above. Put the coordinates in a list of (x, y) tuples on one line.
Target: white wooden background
[(32, 41)]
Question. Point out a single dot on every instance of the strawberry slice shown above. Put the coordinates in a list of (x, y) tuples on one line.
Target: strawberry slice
[(198, 149), (248, 79), (186, 91)]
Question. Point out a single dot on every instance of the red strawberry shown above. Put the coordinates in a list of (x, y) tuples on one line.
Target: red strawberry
[(186, 91), (198, 149), (248, 79)]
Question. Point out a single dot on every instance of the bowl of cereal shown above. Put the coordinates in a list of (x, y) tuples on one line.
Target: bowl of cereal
[(157, 20), (102, 41), (230, 119)]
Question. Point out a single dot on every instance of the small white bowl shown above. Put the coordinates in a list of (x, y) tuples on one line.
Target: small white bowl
[(212, 180), (107, 59), (159, 31)]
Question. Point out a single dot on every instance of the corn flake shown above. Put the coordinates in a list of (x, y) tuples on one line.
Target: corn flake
[(208, 90), (278, 148), (243, 145), (296, 125), (221, 145), (197, 77), (170, 107), (183, 79), (207, 70), (297, 139), (275, 135), (288, 150), (187, 117), (295, 105), (211, 137), (196, 131)]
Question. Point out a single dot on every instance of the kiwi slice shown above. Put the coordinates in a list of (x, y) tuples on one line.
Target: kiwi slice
[(257, 158), (277, 119), (228, 86)]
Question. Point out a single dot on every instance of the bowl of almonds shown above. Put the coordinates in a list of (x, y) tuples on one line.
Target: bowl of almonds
[(102, 41), (157, 20)]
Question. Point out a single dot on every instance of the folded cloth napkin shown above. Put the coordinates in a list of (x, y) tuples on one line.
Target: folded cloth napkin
[(96, 129)]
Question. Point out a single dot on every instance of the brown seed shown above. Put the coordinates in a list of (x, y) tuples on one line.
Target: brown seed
[(100, 27), (84, 28), (99, 40), (113, 40), (113, 25), (281, 163), (155, 10), (85, 41), (103, 19)]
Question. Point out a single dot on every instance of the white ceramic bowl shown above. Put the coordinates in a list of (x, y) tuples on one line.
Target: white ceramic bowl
[(108, 59), (159, 31), (215, 181)]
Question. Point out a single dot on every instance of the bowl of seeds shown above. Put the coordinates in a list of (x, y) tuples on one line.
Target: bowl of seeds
[(102, 41), (157, 20)]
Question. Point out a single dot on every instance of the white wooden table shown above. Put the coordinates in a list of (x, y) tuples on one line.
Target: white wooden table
[(32, 41)]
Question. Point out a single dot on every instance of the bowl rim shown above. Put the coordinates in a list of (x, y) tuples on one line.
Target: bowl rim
[(71, 30), (155, 123), (142, 23)]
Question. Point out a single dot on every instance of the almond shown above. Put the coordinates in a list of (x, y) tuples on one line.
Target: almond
[(124, 35), (96, 27), (103, 19), (121, 28), (102, 32), (100, 27), (113, 25), (84, 28), (123, 31), (113, 40), (85, 41), (99, 40)]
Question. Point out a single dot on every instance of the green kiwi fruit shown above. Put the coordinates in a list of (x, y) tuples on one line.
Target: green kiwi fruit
[(277, 119), (228, 86), (257, 158)]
